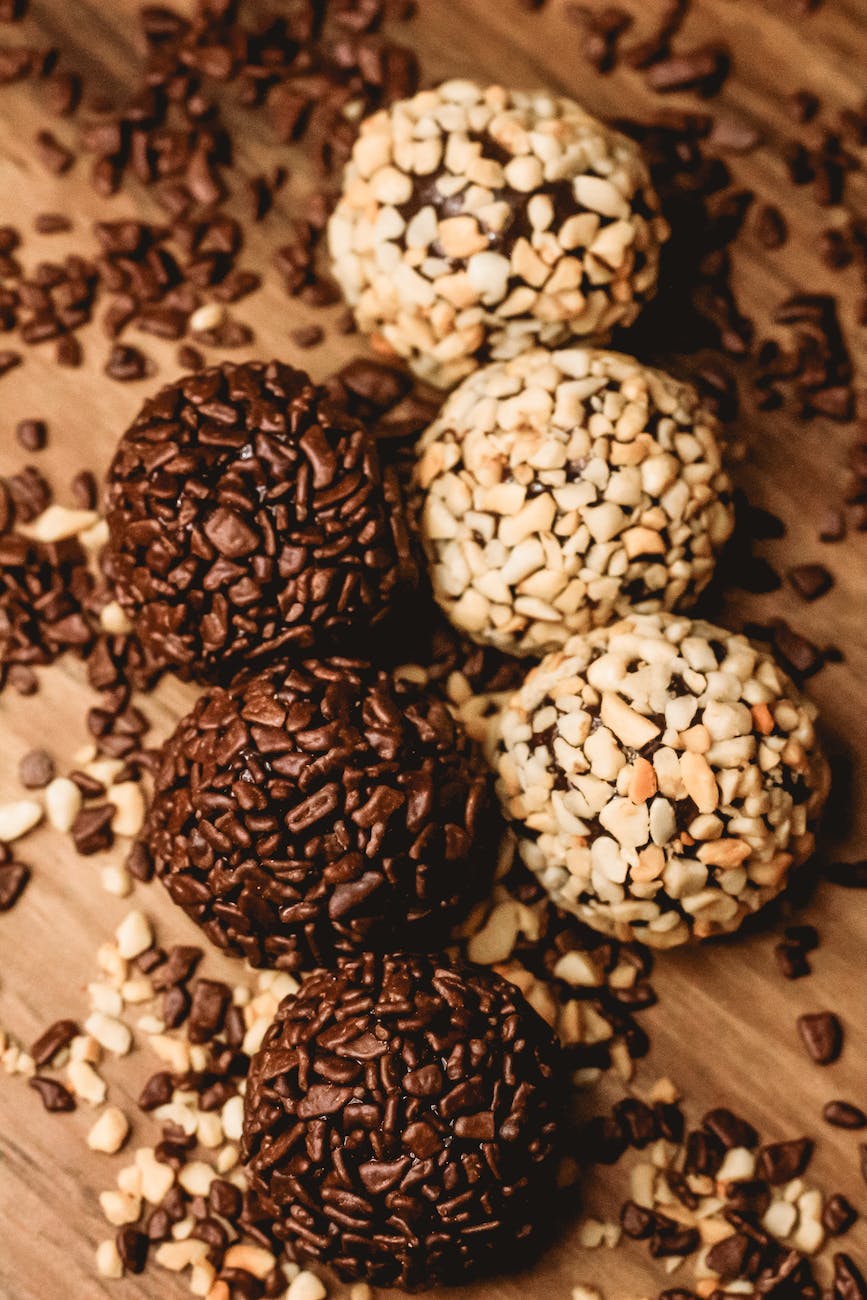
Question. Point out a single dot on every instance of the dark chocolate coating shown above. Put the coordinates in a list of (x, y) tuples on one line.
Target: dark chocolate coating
[(321, 807), (402, 1120), (248, 515)]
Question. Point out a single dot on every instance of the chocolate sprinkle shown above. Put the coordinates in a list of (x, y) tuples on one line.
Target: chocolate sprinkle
[(14, 878), (36, 769), (839, 1215), (779, 1162), (844, 1114), (52, 1040), (54, 1095), (822, 1035)]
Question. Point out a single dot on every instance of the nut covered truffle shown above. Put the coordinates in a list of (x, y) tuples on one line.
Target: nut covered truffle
[(247, 515), (562, 489), (477, 220), (663, 776), (321, 807), (402, 1120)]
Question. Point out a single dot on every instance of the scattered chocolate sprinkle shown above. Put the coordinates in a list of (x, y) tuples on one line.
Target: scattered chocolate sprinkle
[(822, 1034), (157, 1091), (779, 1162), (54, 1095), (14, 877), (210, 1001), (832, 527), (51, 223), (132, 1246), (602, 28), (838, 1215), (89, 786), (802, 106), (849, 1283), (126, 363), (844, 1114), (91, 830), (770, 227), (139, 863), (32, 434), (800, 656), (68, 352), (307, 336), (53, 155), (792, 960), (703, 69), (190, 358), (731, 1130), (84, 490), (732, 136), (177, 968), (225, 1199), (52, 1040), (810, 580), (36, 769)]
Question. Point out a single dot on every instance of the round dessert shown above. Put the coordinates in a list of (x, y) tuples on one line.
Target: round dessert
[(562, 489), (664, 778), (247, 515), (402, 1120), (476, 220), (319, 807)]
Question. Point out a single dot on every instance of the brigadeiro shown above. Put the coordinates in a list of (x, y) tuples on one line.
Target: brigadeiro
[(319, 807), (476, 220), (663, 776), (247, 514), (562, 489), (403, 1121)]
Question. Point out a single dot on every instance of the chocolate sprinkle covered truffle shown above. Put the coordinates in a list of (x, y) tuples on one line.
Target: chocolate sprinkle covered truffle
[(247, 515), (402, 1120), (663, 776), (475, 221), (321, 807), (562, 489)]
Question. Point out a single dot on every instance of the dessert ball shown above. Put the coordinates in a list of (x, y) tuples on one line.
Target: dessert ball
[(247, 515), (476, 220), (318, 807), (562, 489), (663, 776), (402, 1120)]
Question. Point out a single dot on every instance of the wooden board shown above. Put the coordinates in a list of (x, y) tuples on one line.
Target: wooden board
[(724, 1025)]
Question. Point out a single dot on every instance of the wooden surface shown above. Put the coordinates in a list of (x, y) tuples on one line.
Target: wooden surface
[(724, 1025)]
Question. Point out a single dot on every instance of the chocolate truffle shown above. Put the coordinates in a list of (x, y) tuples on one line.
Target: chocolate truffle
[(318, 807), (402, 1120), (663, 776), (562, 489), (247, 515), (475, 221)]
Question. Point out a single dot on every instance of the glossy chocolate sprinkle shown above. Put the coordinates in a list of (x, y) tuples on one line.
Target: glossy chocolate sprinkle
[(403, 1119), (822, 1035), (320, 807), (247, 515)]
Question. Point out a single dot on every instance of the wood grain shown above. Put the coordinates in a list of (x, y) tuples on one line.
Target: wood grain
[(724, 1026)]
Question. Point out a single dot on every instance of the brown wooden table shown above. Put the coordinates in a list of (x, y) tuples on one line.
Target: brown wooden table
[(724, 1028)]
